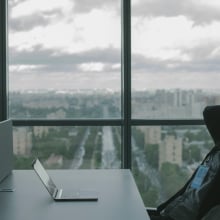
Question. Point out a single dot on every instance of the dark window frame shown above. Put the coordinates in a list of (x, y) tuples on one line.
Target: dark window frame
[(126, 122)]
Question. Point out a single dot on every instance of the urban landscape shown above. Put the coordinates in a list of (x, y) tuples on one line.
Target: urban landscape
[(163, 157)]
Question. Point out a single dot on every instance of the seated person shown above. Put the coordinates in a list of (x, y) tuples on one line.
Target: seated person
[(202, 191)]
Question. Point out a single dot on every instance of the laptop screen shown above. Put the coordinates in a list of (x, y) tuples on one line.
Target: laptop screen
[(47, 181)]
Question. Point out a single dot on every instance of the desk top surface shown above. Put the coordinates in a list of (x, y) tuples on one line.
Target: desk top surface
[(119, 198)]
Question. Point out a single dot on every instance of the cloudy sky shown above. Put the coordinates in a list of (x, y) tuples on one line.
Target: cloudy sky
[(76, 44)]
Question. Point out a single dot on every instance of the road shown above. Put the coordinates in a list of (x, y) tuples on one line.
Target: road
[(108, 148), (78, 157)]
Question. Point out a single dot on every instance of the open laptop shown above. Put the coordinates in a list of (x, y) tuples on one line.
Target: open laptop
[(60, 194), (6, 149)]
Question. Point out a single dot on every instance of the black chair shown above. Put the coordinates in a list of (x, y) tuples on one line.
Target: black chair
[(211, 115)]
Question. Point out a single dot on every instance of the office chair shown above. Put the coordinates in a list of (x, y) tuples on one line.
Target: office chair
[(211, 115)]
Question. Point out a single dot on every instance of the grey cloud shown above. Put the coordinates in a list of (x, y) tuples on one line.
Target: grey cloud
[(13, 3), (143, 64), (48, 60), (198, 66), (51, 61), (202, 51), (88, 5), (26, 23), (202, 61), (169, 8)]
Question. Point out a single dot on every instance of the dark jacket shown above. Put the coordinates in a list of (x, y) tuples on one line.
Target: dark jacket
[(192, 204)]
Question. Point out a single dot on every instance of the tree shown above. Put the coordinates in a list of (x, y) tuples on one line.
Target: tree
[(152, 155), (192, 154), (172, 178)]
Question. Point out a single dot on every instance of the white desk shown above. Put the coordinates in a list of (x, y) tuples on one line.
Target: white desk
[(119, 198)]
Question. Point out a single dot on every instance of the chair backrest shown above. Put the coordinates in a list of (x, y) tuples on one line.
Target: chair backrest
[(211, 115)]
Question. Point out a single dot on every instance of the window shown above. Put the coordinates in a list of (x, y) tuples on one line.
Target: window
[(174, 68), (72, 81), (163, 158), (68, 147), (175, 56), (64, 59)]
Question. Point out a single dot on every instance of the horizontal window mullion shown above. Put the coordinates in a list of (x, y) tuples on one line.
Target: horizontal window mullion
[(145, 122), (67, 122), (104, 122)]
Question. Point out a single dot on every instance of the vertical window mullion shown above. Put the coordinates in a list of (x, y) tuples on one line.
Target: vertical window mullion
[(3, 60), (126, 83)]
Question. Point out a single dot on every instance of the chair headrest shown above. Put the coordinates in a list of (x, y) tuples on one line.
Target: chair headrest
[(211, 115)]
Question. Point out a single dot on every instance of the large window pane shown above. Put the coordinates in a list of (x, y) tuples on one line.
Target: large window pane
[(69, 50), (175, 58), (163, 158), (68, 147)]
